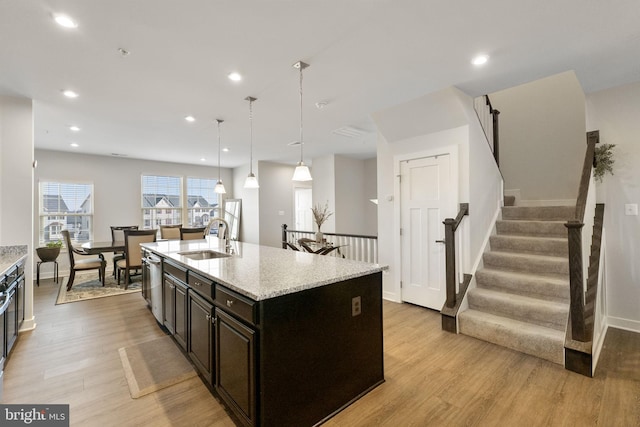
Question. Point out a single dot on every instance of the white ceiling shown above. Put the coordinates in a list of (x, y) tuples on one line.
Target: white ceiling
[(364, 56)]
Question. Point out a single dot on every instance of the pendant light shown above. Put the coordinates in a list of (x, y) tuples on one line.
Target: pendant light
[(219, 188), (251, 181), (302, 171)]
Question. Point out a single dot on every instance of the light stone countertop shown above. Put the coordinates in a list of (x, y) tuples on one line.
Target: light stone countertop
[(263, 272), (10, 255)]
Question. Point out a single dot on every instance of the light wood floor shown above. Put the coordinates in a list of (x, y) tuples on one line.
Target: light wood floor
[(433, 378)]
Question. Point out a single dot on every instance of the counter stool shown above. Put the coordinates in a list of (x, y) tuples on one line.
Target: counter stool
[(55, 271)]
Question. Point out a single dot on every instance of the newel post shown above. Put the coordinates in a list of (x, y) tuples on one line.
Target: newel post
[(450, 248), (284, 236), (576, 280)]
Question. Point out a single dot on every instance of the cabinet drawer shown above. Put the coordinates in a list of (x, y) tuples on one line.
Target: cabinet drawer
[(175, 271), (233, 303), (202, 286)]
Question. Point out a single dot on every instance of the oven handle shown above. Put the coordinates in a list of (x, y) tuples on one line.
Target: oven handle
[(6, 303)]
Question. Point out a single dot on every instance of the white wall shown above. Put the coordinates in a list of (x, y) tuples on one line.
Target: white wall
[(370, 220), (542, 137), (324, 189), (616, 112), (249, 216), (479, 180), (116, 185), (16, 184), (276, 201)]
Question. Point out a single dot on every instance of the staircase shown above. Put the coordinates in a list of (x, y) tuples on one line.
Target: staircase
[(522, 296)]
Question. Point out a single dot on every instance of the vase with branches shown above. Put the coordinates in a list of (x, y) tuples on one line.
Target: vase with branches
[(603, 161), (320, 216)]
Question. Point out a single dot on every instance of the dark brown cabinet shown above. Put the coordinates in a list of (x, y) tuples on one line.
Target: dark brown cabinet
[(200, 335), (235, 365), (146, 278), (169, 303), (180, 297)]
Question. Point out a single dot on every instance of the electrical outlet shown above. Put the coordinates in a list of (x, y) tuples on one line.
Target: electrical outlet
[(281, 213), (631, 209), (356, 306)]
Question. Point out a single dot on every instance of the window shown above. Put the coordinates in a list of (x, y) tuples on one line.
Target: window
[(202, 201), (161, 200), (66, 206)]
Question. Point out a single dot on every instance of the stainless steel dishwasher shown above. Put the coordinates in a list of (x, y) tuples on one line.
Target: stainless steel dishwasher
[(155, 285)]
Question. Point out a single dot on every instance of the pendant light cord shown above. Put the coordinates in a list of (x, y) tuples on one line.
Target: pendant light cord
[(301, 140), (250, 136), (219, 174)]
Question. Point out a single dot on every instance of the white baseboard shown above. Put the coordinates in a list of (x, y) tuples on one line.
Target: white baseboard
[(555, 202), (597, 346), (626, 324), (390, 296)]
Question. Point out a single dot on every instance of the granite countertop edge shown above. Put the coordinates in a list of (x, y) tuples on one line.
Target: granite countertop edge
[(10, 256), (252, 275)]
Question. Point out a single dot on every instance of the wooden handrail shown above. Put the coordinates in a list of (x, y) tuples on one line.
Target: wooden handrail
[(593, 138), (450, 227), (496, 134), (574, 233), (358, 236)]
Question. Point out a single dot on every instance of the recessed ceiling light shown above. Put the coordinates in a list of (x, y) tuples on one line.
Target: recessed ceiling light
[(203, 159), (225, 149), (190, 119), (74, 145), (123, 52), (480, 60), (65, 21), (74, 128), (69, 94), (235, 76)]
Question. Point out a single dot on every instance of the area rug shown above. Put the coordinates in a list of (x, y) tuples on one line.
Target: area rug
[(87, 286), (154, 365)]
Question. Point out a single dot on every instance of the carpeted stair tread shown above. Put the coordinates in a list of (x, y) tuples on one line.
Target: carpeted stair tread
[(543, 287), (556, 246), (528, 338), (532, 228), (527, 263), (519, 307), (546, 213)]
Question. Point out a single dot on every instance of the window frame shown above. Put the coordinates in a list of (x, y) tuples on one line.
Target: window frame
[(158, 214), (58, 219)]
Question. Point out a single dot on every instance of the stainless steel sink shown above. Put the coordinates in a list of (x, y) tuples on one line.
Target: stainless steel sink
[(204, 254)]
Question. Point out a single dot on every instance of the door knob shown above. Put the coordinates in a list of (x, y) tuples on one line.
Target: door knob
[(441, 241)]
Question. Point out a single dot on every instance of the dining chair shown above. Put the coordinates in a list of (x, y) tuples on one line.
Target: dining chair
[(117, 235), (93, 263), (170, 231), (304, 243), (132, 252), (196, 233)]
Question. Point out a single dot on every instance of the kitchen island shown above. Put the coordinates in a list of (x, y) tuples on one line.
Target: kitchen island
[(285, 338)]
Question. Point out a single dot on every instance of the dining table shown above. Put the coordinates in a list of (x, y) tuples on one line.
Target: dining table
[(98, 248)]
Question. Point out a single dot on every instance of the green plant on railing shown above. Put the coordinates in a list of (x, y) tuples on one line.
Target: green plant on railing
[(604, 161)]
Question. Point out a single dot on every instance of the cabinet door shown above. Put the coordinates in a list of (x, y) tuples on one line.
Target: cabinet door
[(235, 365), (20, 301), (180, 333), (200, 335), (146, 279), (11, 320), (169, 303)]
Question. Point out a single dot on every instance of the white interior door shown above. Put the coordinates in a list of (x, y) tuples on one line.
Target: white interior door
[(426, 200)]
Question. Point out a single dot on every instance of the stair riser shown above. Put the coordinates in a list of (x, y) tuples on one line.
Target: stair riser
[(545, 213), (553, 267), (534, 287), (531, 228), (549, 316), (531, 246), (538, 346)]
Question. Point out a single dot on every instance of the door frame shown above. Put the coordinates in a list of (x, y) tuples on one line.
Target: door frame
[(453, 152)]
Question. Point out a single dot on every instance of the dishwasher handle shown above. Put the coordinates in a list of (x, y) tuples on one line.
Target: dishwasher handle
[(152, 260)]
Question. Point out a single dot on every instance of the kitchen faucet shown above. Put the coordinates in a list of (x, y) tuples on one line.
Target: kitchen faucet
[(225, 235)]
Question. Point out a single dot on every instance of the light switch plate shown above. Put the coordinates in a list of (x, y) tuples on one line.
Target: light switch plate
[(281, 213), (631, 209)]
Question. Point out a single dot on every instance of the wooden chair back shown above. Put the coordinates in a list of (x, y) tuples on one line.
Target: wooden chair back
[(170, 231), (117, 232), (195, 233)]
